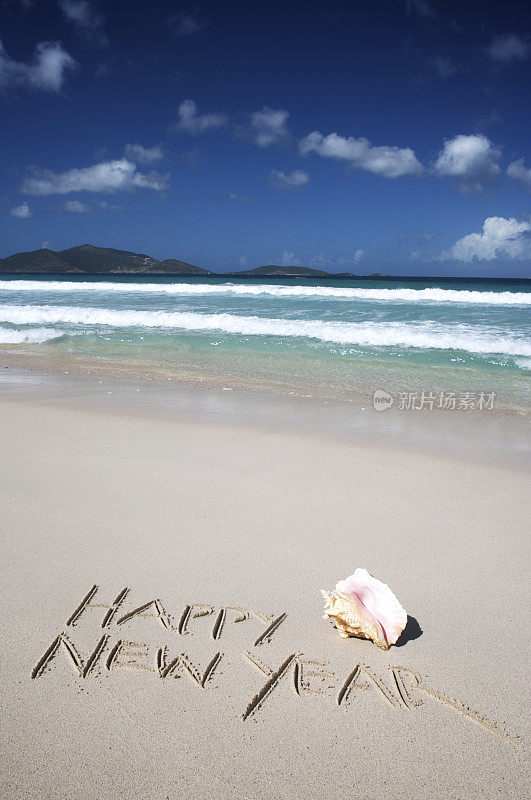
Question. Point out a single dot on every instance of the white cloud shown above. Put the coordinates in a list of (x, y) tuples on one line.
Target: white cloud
[(388, 162), (358, 255), (47, 72), (242, 261), (507, 48), (269, 126), (83, 15), (500, 237), (265, 128), (192, 122), (143, 155), (520, 172), (108, 176), (472, 159), (291, 180), (287, 259), (76, 207), (23, 211)]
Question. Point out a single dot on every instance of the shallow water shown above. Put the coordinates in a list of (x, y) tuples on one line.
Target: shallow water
[(341, 339)]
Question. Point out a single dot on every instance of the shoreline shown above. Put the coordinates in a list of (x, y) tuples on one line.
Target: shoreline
[(498, 436)]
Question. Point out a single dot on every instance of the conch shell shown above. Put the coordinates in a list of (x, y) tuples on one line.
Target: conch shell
[(363, 606)]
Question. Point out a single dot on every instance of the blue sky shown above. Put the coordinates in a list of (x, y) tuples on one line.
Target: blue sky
[(352, 136)]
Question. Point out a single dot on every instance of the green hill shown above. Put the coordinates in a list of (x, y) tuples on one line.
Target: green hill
[(37, 261), (90, 260)]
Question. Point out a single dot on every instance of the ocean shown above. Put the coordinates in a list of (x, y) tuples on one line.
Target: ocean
[(336, 339)]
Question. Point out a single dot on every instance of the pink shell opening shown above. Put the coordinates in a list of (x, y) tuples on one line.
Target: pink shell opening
[(379, 601)]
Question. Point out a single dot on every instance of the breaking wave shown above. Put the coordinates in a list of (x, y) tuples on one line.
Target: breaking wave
[(421, 335), (431, 295), (28, 335)]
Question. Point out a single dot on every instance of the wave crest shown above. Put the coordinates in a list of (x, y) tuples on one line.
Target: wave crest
[(421, 335), (430, 295), (28, 335)]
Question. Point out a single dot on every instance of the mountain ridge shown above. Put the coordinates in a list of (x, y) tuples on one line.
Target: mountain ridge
[(87, 259)]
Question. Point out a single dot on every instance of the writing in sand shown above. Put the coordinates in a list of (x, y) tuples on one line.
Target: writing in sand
[(402, 688)]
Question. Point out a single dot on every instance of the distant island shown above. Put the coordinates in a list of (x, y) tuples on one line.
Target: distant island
[(90, 260)]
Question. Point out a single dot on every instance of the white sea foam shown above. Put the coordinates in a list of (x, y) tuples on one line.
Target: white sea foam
[(431, 295), (28, 335), (422, 335)]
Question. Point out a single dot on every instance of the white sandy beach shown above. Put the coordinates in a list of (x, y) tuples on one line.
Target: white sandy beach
[(236, 522), (265, 362)]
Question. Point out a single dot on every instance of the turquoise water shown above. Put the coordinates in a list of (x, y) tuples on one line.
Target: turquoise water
[(341, 339)]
